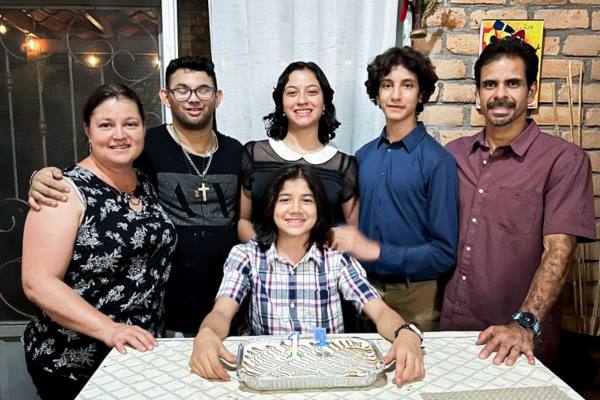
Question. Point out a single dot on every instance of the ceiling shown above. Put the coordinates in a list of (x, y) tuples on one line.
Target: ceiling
[(86, 24)]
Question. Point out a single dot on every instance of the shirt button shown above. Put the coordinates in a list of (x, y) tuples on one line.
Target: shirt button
[(468, 248), (388, 150), (480, 190), (383, 174), (473, 220), (292, 305), (292, 272), (484, 162), (464, 278)]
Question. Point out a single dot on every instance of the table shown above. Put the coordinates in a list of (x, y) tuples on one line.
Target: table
[(451, 363)]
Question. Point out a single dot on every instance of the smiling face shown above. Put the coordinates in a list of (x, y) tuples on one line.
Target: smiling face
[(295, 212), (303, 100), (399, 95), (193, 114), (503, 93), (116, 132)]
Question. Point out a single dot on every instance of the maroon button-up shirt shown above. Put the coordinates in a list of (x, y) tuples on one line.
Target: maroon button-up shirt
[(538, 185)]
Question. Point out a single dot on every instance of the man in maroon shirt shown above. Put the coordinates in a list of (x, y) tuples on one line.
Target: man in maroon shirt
[(525, 200)]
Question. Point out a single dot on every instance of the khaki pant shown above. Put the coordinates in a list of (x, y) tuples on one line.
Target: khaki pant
[(416, 302)]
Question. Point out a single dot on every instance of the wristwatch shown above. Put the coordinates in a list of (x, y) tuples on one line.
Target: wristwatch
[(528, 321), (411, 327)]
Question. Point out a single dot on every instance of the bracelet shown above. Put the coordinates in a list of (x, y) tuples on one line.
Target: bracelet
[(35, 171)]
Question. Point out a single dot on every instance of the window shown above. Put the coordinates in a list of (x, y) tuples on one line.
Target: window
[(50, 60)]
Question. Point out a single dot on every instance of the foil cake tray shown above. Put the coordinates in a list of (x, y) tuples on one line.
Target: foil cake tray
[(267, 363)]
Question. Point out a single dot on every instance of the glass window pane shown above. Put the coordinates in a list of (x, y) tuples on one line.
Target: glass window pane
[(193, 28)]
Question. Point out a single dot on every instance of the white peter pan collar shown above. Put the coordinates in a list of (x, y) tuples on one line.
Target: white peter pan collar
[(288, 154)]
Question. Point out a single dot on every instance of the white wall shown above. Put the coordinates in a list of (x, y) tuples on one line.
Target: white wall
[(253, 40)]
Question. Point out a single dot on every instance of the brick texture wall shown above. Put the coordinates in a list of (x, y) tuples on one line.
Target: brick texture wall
[(572, 33)]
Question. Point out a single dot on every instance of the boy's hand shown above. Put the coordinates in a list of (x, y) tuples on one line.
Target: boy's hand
[(205, 359), (406, 350)]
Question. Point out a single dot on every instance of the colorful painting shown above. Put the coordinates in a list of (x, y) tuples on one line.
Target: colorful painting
[(529, 31)]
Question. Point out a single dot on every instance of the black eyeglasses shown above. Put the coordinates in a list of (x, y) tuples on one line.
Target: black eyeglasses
[(183, 93)]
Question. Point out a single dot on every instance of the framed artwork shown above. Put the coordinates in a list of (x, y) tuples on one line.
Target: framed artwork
[(529, 31)]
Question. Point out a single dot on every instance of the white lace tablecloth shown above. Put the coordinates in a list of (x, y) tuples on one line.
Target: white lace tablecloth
[(451, 362)]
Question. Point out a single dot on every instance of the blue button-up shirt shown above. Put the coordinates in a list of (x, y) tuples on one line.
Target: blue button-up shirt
[(409, 204)]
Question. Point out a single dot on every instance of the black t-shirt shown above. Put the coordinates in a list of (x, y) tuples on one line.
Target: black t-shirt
[(338, 172), (207, 230)]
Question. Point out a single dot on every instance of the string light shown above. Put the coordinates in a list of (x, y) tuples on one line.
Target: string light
[(156, 61), (32, 44), (3, 29), (92, 60)]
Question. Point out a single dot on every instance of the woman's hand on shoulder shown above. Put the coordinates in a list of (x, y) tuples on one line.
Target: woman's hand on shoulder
[(119, 335)]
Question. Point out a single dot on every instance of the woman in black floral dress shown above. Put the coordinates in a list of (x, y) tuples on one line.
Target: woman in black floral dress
[(96, 265)]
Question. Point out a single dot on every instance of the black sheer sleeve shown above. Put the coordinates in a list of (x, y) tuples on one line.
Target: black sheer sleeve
[(350, 171)]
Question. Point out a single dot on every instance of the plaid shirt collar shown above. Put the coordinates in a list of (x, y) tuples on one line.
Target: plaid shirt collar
[(313, 254)]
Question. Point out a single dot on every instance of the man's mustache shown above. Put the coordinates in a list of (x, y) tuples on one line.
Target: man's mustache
[(501, 103)]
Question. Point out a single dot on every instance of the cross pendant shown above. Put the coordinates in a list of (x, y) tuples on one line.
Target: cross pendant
[(201, 191)]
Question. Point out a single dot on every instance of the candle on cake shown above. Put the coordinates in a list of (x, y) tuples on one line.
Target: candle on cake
[(294, 339)]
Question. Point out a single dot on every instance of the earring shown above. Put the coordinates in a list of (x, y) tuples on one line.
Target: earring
[(90, 147)]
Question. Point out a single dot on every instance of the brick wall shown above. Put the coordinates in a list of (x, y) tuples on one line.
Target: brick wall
[(572, 33)]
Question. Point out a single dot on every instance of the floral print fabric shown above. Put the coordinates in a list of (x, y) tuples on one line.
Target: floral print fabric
[(120, 265)]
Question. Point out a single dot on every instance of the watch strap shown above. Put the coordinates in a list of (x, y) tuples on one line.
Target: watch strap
[(535, 327), (411, 327)]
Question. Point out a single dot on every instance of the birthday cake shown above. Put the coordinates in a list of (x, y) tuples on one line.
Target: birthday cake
[(275, 363)]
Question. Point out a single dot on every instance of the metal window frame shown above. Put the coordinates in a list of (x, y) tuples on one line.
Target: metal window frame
[(169, 43)]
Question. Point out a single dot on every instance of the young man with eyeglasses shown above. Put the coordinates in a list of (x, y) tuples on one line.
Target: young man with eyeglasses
[(195, 170)]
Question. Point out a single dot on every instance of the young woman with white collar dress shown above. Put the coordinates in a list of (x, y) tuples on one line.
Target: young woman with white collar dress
[(299, 131)]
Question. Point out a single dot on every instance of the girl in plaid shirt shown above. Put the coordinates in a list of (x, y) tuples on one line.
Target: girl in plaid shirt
[(296, 282)]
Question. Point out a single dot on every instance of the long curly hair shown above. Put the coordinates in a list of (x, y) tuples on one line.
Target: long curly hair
[(276, 122)]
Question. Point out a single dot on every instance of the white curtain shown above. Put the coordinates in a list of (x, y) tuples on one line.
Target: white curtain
[(252, 41)]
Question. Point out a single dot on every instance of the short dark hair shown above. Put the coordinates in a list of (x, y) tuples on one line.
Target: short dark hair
[(266, 230), (202, 64), (110, 91), (277, 123), (511, 48), (410, 59)]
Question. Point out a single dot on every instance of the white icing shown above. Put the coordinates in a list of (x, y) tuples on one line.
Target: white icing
[(350, 357)]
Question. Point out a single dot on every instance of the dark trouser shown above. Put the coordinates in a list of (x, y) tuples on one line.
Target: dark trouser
[(53, 386)]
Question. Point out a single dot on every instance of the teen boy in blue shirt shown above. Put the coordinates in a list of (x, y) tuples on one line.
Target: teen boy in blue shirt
[(408, 184)]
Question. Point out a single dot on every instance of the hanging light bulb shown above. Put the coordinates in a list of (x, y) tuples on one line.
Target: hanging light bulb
[(92, 60), (32, 44), (3, 29)]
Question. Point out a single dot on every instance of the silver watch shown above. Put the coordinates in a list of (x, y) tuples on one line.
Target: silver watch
[(411, 327)]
